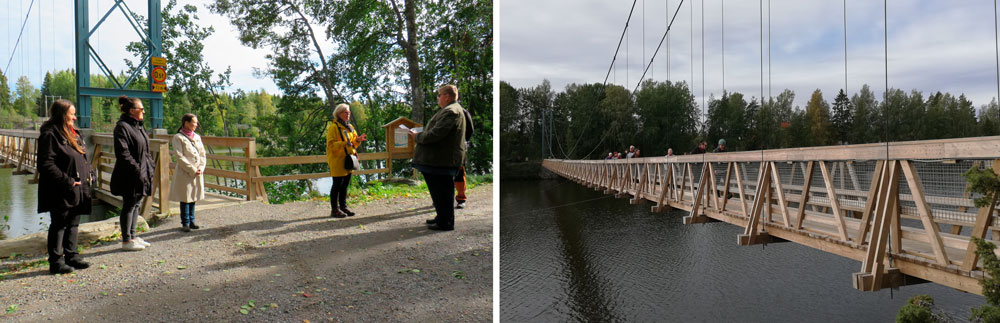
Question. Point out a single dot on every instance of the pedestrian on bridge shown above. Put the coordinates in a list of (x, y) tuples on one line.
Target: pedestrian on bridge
[(721, 148), (701, 148), (342, 141), (439, 152), (64, 178), (188, 183), (132, 177)]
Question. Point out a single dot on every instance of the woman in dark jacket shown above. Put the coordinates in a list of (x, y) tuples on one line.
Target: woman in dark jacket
[(64, 179), (132, 178)]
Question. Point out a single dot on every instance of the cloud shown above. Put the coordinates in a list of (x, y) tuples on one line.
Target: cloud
[(56, 50), (932, 46)]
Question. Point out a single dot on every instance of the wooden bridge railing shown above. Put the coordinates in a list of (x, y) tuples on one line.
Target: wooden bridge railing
[(901, 209), (233, 165), (18, 149)]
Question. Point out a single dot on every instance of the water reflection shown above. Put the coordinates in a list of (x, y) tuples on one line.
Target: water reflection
[(19, 203), (606, 260)]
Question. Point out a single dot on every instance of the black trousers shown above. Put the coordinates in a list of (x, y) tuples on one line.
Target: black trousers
[(338, 192), (442, 191), (62, 235)]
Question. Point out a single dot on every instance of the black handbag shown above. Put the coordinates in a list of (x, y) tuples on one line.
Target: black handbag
[(350, 161)]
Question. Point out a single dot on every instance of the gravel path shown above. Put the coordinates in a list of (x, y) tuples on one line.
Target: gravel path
[(292, 261)]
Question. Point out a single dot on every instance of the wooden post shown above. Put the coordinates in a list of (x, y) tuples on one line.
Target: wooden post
[(751, 235), (781, 194), (870, 201), (739, 186), (250, 152), (832, 194), (871, 275), (805, 195), (667, 186)]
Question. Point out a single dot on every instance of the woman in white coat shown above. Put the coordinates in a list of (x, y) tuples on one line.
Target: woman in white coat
[(188, 183)]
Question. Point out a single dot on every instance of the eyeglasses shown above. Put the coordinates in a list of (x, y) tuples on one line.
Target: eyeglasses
[(140, 109)]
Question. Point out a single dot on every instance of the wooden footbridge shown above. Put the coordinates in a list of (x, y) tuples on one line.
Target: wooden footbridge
[(901, 208)]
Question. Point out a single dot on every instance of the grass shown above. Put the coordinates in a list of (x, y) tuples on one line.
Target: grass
[(376, 191)]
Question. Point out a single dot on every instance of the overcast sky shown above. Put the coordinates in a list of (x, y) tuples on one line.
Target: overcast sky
[(943, 46), (55, 50)]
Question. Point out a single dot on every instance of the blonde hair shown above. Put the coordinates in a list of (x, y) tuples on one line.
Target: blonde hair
[(340, 109), (450, 90)]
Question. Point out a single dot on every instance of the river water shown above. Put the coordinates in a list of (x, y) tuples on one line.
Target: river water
[(19, 202), (569, 253)]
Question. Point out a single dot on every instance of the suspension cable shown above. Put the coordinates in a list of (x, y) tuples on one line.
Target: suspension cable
[(723, 24), (996, 46), (845, 47), (885, 13), (613, 58), (19, 36), (658, 47), (605, 83)]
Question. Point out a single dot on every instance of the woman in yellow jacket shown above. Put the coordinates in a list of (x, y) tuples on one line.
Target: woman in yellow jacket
[(341, 139)]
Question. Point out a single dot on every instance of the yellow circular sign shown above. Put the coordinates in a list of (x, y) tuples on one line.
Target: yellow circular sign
[(159, 74)]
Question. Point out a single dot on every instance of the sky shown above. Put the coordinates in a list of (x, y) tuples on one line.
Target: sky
[(946, 46), (47, 41)]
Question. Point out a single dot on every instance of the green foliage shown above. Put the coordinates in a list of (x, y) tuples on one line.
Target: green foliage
[(843, 118), (661, 115), (989, 312), (669, 116), (982, 181), (917, 310), (368, 61), (985, 313), (818, 117)]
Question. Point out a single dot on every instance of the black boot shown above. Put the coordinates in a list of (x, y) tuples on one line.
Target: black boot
[(75, 261), (57, 266), (347, 211), (337, 213)]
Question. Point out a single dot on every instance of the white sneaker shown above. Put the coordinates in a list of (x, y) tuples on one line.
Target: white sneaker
[(133, 246), (142, 242)]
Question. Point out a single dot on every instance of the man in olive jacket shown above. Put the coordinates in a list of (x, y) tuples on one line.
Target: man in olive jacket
[(439, 151)]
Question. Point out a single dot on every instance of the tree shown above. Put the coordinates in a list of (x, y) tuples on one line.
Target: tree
[(191, 87), (727, 119), (843, 118), (618, 119), (511, 123), (286, 26), (6, 101), (865, 114), (27, 96), (989, 119), (668, 116), (818, 115)]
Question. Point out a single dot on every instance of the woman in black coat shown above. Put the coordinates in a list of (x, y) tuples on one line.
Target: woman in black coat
[(132, 178), (64, 178)]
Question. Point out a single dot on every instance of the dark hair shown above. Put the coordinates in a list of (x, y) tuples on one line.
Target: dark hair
[(188, 117), (57, 118), (127, 103)]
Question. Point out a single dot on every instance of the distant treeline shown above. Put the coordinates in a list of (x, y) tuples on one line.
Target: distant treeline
[(591, 120)]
